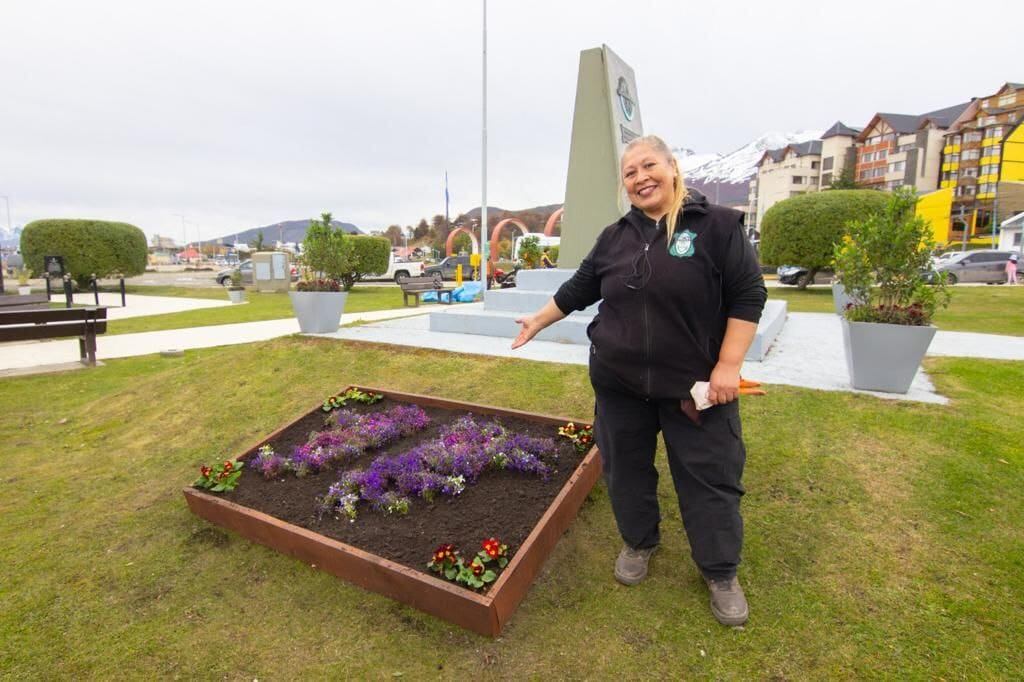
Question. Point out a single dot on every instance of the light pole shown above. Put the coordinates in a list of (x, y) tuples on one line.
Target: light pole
[(184, 237), (483, 203), (8, 202)]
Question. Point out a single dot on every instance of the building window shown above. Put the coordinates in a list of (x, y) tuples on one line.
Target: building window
[(971, 155), (882, 153), (990, 169), (868, 157), (798, 179), (970, 172), (826, 164), (973, 136), (955, 139), (993, 151), (954, 158), (897, 166), (987, 120), (994, 132), (906, 147), (969, 190), (893, 184), (826, 179), (815, 165), (888, 137), (1008, 100)]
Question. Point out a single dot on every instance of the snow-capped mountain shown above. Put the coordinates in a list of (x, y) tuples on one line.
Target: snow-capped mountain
[(725, 177)]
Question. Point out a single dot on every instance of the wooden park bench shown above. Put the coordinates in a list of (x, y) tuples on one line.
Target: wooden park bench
[(29, 302), (414, 286), (56, 323)]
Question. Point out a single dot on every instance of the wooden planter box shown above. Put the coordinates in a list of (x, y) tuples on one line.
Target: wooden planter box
[(482, 613)]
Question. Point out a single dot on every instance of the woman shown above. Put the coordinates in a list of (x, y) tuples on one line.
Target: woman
[(1011, 269), (681, 293)]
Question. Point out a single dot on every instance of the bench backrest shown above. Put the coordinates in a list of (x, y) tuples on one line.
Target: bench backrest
[(420, 284), (32, 301), (26, 325)]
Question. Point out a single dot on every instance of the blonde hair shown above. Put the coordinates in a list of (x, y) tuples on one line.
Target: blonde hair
[(679, 190)]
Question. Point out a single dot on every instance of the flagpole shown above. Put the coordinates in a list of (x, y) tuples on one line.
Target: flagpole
[(483, 203)]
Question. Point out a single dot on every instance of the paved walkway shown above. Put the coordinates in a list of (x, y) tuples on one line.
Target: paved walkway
[(59, 355), (138, 306), (808, 352)]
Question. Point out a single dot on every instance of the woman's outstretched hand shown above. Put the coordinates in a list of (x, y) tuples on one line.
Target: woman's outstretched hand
[(533, 324), (530, 327)]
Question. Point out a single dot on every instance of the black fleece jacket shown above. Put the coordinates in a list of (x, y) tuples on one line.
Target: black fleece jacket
[(664, 307)]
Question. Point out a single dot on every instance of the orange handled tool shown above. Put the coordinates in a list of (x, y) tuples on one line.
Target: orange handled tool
[(751, 387)]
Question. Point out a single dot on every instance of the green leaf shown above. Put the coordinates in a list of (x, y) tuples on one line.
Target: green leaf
[(219, 488), (502, 562), (483, 556), (451, 573), (489, 576)]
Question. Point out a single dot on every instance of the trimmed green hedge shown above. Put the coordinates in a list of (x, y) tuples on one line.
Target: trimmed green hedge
[(89, 247), (804, 230), (369, 255)]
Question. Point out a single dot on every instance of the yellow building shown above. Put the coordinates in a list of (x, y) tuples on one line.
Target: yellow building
[(975, 165)]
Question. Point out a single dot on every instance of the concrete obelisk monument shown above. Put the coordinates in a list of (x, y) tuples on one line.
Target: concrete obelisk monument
[(606, 117)]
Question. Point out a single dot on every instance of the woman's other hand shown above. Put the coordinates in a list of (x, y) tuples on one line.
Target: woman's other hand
[(725, 383)]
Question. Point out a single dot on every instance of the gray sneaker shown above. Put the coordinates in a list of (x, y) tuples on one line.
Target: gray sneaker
[(727, 601), (631, 566)]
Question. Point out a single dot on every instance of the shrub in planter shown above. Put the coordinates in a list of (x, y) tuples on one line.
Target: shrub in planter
[(236, 292), (884, 264), (804, 230), (90, 248), (332, 254)]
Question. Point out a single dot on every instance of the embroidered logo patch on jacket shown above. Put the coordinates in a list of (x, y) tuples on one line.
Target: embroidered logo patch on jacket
[(682, 244)]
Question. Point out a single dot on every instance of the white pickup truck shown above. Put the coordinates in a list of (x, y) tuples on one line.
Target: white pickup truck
[(398, 270)]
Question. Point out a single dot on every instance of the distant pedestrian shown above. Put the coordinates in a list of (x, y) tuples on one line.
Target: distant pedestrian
[(1011, 269), (545, 259)]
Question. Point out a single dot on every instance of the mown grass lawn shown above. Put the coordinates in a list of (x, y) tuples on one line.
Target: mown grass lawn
[(988, 310), (260, 306), (884, 539)]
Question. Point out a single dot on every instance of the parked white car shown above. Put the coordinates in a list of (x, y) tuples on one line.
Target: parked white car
[(398, 270)]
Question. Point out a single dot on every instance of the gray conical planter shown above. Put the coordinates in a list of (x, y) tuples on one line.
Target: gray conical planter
[(884, 357), (318, 312)]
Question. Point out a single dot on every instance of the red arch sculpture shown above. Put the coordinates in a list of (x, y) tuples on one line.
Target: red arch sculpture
[(549, 226), (496, 233), (451, 240)]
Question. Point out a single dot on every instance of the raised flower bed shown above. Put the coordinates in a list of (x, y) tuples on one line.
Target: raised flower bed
[(407, 495)]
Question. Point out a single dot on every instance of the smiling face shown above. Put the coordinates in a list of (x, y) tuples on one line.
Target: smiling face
[(648, 176)]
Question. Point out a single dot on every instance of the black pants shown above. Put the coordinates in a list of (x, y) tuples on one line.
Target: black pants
[(706, 462)]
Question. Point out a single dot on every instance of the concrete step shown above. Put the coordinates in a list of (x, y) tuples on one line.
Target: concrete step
[(572, 329), (522, 300), (543, 280)]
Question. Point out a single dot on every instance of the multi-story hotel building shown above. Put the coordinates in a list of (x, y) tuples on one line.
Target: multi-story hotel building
[(980, 167), (896, 150), (798, 169)]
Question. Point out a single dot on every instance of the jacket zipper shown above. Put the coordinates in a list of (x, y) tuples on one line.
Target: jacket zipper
[(647, 331)]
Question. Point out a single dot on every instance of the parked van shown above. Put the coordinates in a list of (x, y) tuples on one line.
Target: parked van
[(542, 241)]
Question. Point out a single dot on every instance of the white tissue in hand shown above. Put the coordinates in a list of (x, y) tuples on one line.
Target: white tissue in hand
[(700, 394)]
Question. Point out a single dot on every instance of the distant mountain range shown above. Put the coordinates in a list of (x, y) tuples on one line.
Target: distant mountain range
[(725, 178), (284, 231)]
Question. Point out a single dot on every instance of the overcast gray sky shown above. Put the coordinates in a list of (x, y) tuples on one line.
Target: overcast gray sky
[(238, 114)]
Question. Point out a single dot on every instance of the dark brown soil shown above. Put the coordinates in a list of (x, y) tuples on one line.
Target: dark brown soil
[(502, 504)]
